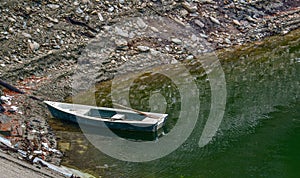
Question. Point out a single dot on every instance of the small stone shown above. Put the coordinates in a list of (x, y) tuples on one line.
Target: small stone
[(203, 35), (49, 25), (56, 47), (111, 9), (141, 23), (34, 45), (53, 6), (190, 57), (154, 29), (26, 35), (237, 22), (227, 41), (11, 19), (199, 23), (121, 42), (143, 48), (251, 19), (214, 20), (11, 30), (176, 41), (121, 32), (189, 7), (79, 10), (121, 1), (100, 17), (184, 12), (53, 20)]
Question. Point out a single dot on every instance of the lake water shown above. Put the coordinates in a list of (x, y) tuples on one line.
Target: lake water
[(259, 135)]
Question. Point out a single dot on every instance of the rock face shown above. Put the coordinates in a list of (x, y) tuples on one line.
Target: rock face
[(42, 22)]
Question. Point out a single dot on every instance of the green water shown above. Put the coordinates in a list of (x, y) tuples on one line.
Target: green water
[(258, 137)]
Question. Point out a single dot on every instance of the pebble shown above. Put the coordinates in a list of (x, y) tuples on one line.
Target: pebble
[(251, 19), (53, 6), (190, 57), (176, 41), (11, 30), (141, 23), (189, 7), (49, 25), (227, 41), (11, 19), (100, 17), (79, 10), (143, 48), (34, 46), (199, 23), (121, 32), (56, 47), (121, 42), (214, 20), (27, 35), (237, 22), (111, 9)]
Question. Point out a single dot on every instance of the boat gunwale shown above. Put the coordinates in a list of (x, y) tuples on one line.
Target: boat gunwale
[(87, 107)]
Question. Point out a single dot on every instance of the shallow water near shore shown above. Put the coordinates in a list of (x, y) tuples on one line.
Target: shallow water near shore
[(259, 135)]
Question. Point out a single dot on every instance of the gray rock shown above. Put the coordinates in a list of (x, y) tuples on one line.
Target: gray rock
[(121, 32), (189, 7), (199, 23), (49, 25), (214, 20), (100, 17), (143, 48), (141, 23), (111, 9), (53, 6), (26, 35), (34, 45), (236, 22), (79, 10), (176, 41), (56, 47), (121, 42), (227, 41), (11, 19)]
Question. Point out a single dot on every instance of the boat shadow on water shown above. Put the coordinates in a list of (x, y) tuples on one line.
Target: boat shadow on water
[(138, 136)]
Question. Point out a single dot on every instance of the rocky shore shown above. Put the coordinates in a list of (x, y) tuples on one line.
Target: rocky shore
[(41, 42)]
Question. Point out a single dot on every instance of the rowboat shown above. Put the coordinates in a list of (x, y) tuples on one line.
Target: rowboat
[(112, 118)]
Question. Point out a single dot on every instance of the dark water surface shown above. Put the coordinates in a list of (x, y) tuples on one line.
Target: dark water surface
[(259, 135)]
